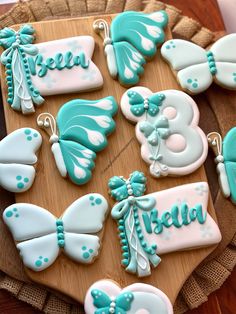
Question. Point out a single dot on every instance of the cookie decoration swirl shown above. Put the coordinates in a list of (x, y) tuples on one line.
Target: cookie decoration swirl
[(160, 222), (78, 133), (106, 296), (167, 128), (197, 68), (17, 159), (225, 161), (126, 52), (40, 237), (22, 93)]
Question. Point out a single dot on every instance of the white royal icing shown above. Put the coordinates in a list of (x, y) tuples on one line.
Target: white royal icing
[(39, 235), (17, 156)]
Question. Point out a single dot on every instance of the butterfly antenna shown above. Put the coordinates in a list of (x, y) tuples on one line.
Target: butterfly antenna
[(215, 142), (47, 122), (101, 27)]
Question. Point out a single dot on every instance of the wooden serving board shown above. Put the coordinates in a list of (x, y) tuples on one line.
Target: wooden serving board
[(121, 157)]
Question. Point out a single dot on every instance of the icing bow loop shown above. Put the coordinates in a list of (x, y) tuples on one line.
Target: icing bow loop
[(140, 105), (121, 189), (156, 131)]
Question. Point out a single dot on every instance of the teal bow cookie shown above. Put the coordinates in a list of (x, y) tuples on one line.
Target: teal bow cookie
[(140, 105), (106, 305), (18, 44), (155, 131)]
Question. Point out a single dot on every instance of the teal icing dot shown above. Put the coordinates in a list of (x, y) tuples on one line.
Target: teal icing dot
[(38, 263), (234, 79), (168, 47), (91, 198), (90, 250), (92, 204), (194, 85), (26, 180), (29, 138), (46, 260), (189, 81), (15, 209), (98, 201), (27, 131), (17, 215), (9, 214), (86, 255), (84, 248), (40, 257), (36, 135), (18, 178), (20, 185)]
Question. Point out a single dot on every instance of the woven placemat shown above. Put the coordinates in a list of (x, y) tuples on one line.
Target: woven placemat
[(214, 270)]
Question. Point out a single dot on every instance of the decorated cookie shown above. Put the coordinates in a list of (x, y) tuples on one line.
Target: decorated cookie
[(167, 128), (226, 161), (106, 296), (41, 237), (49, 68), (161, 222), (197, 68), (132, 38), (17, 157), (78, 132)]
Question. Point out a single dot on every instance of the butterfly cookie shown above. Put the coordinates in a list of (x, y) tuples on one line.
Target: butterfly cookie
[(41, 237), (106, 296), (126, 51), (17, 157), (161, 222), (167, 128), (77, 133), (197, 68), (225, 160)]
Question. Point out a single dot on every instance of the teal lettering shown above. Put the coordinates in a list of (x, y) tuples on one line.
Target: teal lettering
[(50, 64), (58, 61), (32, 65), (196, 212), (147, 222), (68, 58), (175, 216), (165, 219), (155, 220), (39, 62), (184, 214)]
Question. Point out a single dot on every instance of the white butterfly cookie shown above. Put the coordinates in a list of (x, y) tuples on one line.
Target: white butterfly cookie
[(197, 68), (40, 236), (17, 157)]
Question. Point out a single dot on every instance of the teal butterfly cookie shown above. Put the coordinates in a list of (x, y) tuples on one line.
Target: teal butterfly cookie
[(226, 161), (131, 39), (78, 133)]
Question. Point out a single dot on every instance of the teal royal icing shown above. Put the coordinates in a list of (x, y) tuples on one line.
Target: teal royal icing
[(133, 243), (105, 304), (211, 62), (60, 233), (229, 159), (17, 45), (177, 217), (39, 66)]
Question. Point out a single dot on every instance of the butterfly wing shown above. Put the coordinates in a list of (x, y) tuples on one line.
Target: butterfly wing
[(85, 216), (182, 54), (39, 253), (101, 301), (124, 300), (34, 230), (226, 74), (20, 147), (142, 31), (229, 153), (16, 178), (224, 50), (87, 122), (78, 161)]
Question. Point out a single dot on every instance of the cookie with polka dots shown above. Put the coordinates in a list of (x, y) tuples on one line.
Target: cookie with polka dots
[(40, 236), (17, 157), (172, 143)]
